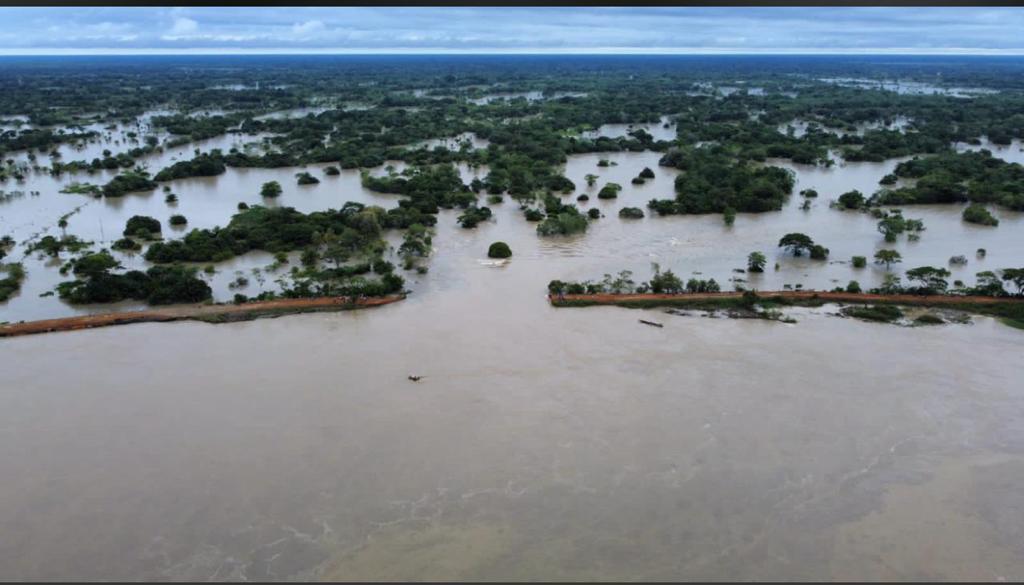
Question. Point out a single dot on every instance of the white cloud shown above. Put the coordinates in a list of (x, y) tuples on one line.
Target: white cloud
[(310, 26), (492, 29), (183, 27)]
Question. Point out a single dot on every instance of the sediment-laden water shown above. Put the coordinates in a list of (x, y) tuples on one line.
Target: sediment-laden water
[(540, 443)]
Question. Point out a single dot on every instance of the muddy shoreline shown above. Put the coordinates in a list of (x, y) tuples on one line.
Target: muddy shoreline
[(210, 313)]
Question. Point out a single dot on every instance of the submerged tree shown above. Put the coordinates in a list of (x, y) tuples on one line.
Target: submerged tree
[(756, 262), (796, 243), (271, 189), (887, 257)]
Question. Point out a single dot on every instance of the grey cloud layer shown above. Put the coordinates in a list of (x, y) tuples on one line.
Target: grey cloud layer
[(26, 30)]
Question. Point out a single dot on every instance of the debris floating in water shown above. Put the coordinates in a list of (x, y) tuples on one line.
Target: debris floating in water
[(415, 378), (651, 323)]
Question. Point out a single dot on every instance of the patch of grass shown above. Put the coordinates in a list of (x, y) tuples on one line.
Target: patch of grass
[(929, 319)]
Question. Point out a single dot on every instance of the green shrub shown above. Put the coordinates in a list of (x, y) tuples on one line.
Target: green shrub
[(631, 213), (306, 179), (609, 191), (860, 261), (851, 200), (499, 250), (126, 244), (976, 213), (270, 189), (141, 222)]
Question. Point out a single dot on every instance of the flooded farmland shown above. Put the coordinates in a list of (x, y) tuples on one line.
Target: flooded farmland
[(307, 463), (474, 432)]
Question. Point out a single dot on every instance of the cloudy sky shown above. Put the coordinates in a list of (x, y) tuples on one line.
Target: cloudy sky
[(531, 30)]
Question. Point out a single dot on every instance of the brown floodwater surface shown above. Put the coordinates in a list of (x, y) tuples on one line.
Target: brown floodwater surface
[(541, 443)]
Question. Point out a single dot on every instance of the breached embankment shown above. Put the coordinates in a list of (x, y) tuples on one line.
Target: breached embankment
[(210, 313)]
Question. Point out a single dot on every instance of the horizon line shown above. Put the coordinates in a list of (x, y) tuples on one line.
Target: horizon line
[(603, 51)]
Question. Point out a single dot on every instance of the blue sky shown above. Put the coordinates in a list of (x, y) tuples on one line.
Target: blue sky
[(986, 30)]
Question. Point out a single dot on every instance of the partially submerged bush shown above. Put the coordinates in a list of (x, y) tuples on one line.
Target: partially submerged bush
[(138, 223), (499, 250), (976, 213), (533, 214), (609, 191), (306, 179), (883, 313), (631, 213), (270, 189), (473, 216), (126, 245)]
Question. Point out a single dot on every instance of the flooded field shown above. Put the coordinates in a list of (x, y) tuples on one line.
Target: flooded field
[(297, 448), (688, 245), (903, 86), (540, 443)]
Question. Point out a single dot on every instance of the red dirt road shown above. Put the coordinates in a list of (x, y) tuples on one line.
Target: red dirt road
[(185, 312)]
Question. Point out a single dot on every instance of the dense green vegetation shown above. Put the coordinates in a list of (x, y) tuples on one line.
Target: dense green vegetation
[(798, 243), (203, 165), (271, 189), (53, 246), (756, 262), (10, 284), (159, 285), (953, 177), (623, 283), (273, 230), (127, 182), (712, 181), (142, 226), (499, 250), (976, 213), (473, 216)]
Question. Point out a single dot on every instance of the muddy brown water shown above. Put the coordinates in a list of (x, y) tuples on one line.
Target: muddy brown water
[(540, 443)]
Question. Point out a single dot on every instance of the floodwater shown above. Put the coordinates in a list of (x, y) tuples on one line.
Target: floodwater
[(900, 123), (1013, 152), (664, 129), (903, 86), (541, 443), (689, 245)]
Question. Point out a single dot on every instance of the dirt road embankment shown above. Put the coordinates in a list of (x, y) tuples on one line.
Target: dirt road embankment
[(210, 313)]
